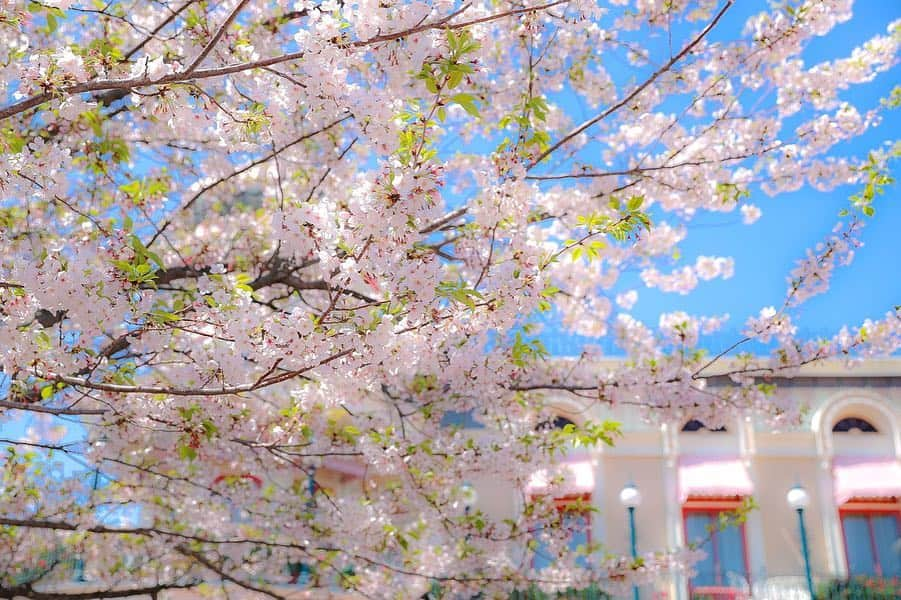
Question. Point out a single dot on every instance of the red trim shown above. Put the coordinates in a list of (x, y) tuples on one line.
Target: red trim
[(713, 507), (867, 509), (567, 502), (712, 504), (858, 506)]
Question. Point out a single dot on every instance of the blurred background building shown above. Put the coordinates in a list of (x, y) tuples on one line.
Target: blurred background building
[(838, 473)]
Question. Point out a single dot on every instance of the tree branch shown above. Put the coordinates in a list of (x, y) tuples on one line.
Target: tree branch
[(174, 391), (666, 67), (215, 39), (183, 76), (26, 590), (51, 411), (243, 169)]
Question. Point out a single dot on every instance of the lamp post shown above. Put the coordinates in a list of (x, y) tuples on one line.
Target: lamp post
[(799, 499), (469, 496), (301, 572), (630, 497)]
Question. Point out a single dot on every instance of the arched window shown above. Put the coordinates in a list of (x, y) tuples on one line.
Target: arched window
[(849, 424), (557, 422), (695, 425), (561, 422)]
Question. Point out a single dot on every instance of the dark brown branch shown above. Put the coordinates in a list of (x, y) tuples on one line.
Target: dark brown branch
[(243, 169), (200, 558), (666, 67), (137, 47), (216, 37), (26, 590), (175, 391), (50, 411), (182, 76), (436, 225)]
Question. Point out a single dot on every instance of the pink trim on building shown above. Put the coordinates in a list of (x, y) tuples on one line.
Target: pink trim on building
[(578, 473), (866, 478), (710, 477)]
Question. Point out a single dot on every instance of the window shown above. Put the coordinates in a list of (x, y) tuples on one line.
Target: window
[(695, 425), (872, 538), (558, 422), (575, 523), (573, 507), (725, 564), (854, 424)]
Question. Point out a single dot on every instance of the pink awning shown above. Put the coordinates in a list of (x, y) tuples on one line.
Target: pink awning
[(866, 478), (709, 477), (578, 477)]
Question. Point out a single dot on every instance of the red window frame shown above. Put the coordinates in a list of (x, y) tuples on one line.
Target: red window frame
[(713, 507), (570, 502), (868, 508)]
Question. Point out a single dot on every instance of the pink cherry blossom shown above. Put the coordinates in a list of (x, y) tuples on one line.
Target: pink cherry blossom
[(257, 257)]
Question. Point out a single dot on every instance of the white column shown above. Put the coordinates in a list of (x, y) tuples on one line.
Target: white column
[(832, 526), (675, 533), (754, 526), (597, 496)]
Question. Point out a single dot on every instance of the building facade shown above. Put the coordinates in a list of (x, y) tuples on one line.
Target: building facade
[(845, 456)]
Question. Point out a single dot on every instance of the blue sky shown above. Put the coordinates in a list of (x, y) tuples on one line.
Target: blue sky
[(767, 251)]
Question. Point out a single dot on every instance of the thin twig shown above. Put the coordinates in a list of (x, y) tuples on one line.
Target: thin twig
[(666, 67)]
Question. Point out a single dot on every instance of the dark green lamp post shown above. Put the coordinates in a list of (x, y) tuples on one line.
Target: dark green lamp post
[(799, 499), (630, 497)]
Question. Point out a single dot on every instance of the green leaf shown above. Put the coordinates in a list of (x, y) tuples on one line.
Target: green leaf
[(549, 291), (454, 79), (467, 101), (133, 189), (186, 452), (458, 292)]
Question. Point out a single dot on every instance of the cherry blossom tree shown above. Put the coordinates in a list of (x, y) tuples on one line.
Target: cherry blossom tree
[(246, 241)]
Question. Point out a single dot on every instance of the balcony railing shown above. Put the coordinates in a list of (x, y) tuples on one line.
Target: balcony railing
[(860, 588), (719, 593), (590, 593)]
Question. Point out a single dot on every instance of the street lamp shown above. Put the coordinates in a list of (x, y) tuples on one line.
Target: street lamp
[(469, 496), (630, 497), (799, 499)]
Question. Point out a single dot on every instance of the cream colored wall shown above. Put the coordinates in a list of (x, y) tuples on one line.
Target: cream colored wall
[(495, 498), (647, 474), (776, 459), (781, 539)]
